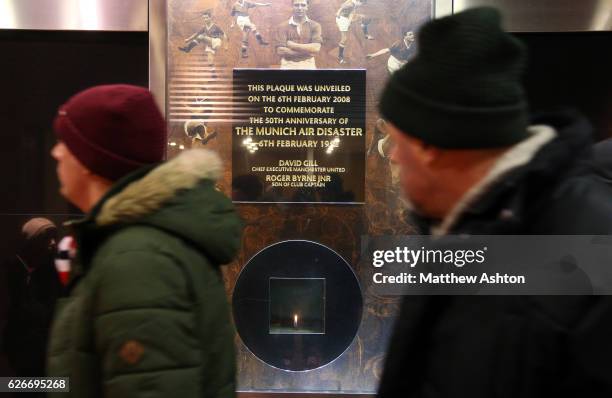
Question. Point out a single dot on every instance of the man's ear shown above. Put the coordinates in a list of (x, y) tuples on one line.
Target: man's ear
[(430, 154)]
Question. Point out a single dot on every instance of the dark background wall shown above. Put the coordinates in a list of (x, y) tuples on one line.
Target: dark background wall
[(39, 70), (572, 69)]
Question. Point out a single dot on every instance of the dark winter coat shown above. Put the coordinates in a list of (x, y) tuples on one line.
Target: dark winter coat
[(603, 160), (32, 297), (149, 316), (515, 346)]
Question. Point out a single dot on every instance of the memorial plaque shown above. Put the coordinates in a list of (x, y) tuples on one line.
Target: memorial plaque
[(300, 137)]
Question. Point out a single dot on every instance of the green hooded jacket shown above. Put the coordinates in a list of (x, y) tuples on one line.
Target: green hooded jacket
[(148, 316)]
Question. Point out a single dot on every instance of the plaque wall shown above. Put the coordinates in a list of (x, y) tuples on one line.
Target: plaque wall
[(226, 60)]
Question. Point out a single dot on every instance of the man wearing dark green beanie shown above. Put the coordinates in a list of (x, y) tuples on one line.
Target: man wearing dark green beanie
[(473, 161)]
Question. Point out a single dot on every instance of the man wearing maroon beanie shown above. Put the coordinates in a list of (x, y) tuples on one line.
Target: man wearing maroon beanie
[(147, 315)]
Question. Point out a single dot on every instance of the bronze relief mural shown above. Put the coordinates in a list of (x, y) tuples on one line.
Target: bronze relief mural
[(207, 41)]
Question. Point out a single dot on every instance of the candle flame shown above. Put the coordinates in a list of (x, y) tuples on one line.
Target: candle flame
[(295, 320)]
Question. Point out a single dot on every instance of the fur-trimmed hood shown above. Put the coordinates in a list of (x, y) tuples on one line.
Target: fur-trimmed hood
[(150, 193), (179, 197)]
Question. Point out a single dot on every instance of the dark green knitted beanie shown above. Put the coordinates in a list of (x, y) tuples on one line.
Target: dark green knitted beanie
[(463, 89)]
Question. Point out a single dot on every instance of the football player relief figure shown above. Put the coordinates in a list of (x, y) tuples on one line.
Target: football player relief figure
[(210, 36), (240, 10), (196, 129), (346, 14), (400, 52), (298, 40)]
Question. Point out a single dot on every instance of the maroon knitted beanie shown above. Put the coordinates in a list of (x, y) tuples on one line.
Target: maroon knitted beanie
[(112, 129)]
